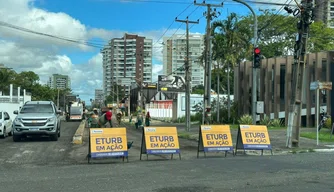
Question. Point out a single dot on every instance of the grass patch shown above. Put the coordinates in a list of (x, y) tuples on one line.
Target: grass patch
[(276, 128), (184, 135), (323, 136)]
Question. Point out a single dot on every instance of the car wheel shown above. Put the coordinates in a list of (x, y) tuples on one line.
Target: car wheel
[(16, 138), (59, 133), (54, 137)]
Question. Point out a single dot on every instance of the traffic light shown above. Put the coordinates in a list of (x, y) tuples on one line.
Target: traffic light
[(257, 57)]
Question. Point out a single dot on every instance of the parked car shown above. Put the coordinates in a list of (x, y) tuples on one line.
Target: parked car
[(5, 124), (37, 118)]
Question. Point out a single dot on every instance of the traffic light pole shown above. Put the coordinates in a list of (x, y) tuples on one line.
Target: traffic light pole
[(254, 70), (293, 131)]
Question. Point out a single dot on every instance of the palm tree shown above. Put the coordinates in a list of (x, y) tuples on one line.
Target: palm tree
[(229, 46)]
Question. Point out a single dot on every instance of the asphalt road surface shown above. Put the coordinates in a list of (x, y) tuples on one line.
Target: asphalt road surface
[(39, 151), (40, 165)]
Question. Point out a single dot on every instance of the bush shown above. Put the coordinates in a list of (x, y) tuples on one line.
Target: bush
[(246, 120), (277, 123), (266, 121), (328, 123)]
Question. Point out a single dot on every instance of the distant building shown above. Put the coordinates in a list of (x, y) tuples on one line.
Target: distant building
[(324, 11), (99, 96), (126, 61), (57, 81), (2, 66), (174, 55)]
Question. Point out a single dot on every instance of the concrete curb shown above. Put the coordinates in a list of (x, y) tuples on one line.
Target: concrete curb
[(78, 136)]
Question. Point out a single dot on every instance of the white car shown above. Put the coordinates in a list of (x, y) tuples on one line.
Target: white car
[(5, 124)]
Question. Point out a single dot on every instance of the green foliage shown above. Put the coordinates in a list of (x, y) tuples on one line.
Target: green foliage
[(28, 80), (266, 121), (199, 89), (246, 120), (328, 123), (277, 123)]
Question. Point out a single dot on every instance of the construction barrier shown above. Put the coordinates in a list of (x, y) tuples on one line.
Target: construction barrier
[(160, 140)]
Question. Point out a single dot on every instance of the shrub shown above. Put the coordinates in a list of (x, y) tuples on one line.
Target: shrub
[(246, 120), (266, 121), (277, 123), (328, 123)]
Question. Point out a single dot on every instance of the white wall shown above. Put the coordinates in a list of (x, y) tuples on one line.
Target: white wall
[(10, 108)]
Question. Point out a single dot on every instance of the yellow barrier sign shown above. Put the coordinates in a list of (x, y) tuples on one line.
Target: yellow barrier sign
[(253, 137), (108, 142), (215, 138), (160, 140)]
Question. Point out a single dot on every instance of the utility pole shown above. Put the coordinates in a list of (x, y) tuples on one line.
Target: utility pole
[(254, 70), (306, 19), (187, 70), (58, 99), (210, 14)]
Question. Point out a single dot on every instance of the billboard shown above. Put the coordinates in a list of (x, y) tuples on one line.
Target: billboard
[(171, 83)]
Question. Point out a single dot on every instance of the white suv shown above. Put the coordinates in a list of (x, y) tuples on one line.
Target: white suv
[(37, 118), (5, 124)]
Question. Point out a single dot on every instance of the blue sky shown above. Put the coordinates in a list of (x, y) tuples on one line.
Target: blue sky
[(133, 16), (90, 20)]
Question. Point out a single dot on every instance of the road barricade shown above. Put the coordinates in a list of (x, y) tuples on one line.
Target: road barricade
[(160, 140), (253, 137), (214, 138), (107, 143)]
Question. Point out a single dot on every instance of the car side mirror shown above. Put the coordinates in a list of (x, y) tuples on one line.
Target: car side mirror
[(16, 112)]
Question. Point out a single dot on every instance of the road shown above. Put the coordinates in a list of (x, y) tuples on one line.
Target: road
[(302, 172), (40, 165), (39, 151)]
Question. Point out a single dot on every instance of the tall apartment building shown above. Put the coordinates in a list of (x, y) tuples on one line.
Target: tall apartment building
[(174, 55), (324, 11), (57, 81), (126, 61)]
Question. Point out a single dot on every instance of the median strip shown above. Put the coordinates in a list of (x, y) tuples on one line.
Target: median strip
[(78, 136)]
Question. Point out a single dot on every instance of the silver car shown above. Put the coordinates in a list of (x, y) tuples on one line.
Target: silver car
[(37, 118)]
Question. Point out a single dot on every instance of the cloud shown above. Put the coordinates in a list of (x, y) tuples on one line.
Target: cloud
[(45, 56)]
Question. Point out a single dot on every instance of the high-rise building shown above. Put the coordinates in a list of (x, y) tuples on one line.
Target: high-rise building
[(126, 61), (57, 81), (174, 55), (99, 95), (324, 11)]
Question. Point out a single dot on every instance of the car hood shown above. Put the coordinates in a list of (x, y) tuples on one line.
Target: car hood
[(35, 115)]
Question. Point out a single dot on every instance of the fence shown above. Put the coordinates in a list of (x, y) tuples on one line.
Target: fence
[(160, 110)]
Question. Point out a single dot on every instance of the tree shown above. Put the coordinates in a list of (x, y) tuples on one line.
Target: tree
[(7, 76), (321, 37)]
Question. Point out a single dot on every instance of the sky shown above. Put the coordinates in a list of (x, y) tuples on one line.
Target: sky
[(96, 22)]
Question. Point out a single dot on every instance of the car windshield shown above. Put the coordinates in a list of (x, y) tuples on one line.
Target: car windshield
[(37, 108), (76, 110)]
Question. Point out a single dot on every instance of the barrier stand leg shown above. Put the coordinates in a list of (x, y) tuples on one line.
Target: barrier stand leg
[(172, 156), (197, 154), (262, 152), (146, 156), (271, 151), (233, 153), (204, 154), (225, 153), (140, 156), (180, 156), (123, 158)]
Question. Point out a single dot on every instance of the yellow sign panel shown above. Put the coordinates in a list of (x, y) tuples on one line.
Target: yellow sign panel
[(255, 137), (161, 140), (216, 138), (108, 142)]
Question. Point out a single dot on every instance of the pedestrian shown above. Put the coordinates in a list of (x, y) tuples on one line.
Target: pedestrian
[(104, 119), (147, 119), (94, 119), (109, 117)]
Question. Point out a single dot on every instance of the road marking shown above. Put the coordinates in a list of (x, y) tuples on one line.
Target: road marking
[(27, 152)]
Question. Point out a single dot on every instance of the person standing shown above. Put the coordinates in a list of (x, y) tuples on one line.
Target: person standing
[(109, 117), (147, 119)]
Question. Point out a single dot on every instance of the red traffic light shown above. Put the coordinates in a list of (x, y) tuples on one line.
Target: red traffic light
[(257, 51)]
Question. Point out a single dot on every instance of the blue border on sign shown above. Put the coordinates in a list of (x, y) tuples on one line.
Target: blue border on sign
[(257, 146), (109, 154), (217, 149), (163, 151)]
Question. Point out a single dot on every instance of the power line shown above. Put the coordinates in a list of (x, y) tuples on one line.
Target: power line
[(4, 24)]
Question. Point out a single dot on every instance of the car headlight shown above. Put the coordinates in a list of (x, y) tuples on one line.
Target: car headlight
[(51, 119)]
